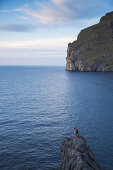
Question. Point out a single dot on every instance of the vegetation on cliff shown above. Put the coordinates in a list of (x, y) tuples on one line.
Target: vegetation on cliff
[(93, 50)]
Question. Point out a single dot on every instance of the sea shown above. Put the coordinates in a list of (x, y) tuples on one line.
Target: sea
[(40, 106)]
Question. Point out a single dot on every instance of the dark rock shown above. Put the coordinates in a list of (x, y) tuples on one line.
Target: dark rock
[(76, 155), (93, 50)]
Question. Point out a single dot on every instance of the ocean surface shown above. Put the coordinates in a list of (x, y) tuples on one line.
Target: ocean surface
[(39, 106)]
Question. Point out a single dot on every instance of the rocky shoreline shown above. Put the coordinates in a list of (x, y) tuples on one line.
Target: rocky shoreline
[(76, 155), (93, 49)]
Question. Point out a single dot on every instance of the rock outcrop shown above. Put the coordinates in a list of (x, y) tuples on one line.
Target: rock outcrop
[(76, 155), (93, 49)]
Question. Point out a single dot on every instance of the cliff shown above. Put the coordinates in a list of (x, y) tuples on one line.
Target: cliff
[(76, 155), (93, 49)]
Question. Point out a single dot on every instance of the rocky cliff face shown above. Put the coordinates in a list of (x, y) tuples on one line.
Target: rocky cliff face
[(76, 155), (93, 50)]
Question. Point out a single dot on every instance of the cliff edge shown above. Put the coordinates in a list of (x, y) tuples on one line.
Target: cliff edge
[(93, 49), (76, 155)]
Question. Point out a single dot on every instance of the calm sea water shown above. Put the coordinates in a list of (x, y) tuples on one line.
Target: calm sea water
[(39, 106)]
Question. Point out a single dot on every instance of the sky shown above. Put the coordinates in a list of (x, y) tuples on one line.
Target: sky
[(37, 32)]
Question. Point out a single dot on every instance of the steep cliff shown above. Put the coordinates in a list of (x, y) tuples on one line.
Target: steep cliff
[(93, 49), (76, 155)]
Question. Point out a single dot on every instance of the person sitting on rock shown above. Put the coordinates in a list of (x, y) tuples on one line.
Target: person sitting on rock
[(76, 131)]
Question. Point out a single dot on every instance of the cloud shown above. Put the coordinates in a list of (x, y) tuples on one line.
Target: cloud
[(17, 27), (11, 10), (14, 10), (60, 2), (34, 48), (23, 17), (47, 15), (56, 12), (58, 43), (61, 11)]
